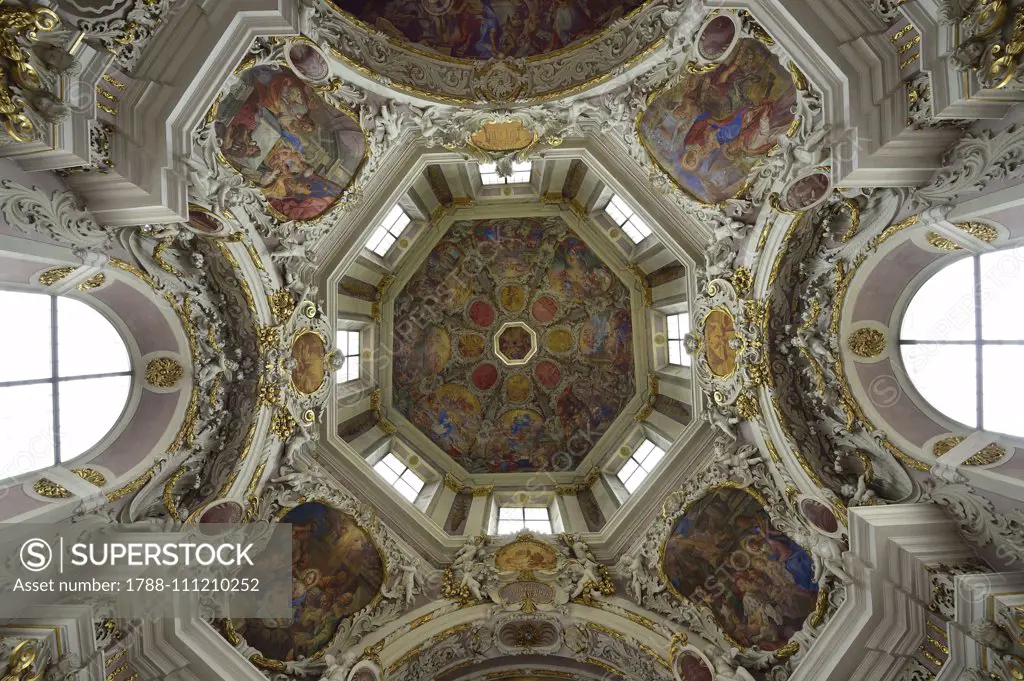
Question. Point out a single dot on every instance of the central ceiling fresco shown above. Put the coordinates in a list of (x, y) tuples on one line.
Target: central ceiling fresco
[(482, 29), (517, 404)]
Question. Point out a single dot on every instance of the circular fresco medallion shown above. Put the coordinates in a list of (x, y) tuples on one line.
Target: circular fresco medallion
[(517, 388), (819, 515), (481, 313), (719, 332), (513, 298), (222, 512), (548, 374), (203, 221), (485, 376), (471, 345), (691, 667), (309, 351), (717, 37), (308, 62), (545, 309), (807, 191), (560, 341)]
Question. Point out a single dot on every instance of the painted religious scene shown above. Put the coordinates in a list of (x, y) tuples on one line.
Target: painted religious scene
[(276, 132), (709, 131), (486, 409), (482, 29), (336, 572), (724, 553)]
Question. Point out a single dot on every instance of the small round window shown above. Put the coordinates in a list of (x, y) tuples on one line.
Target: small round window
[(962, 341), (65, 377)]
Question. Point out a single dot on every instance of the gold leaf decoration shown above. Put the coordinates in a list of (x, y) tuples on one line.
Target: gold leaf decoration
[(50, 489), (944, 445), (268, 338), (282, 304), (20, 23), (747, 407), (163, 372), (93, 282), (941, 242), (504, 136), (978, 230), (867, 342), (51, 277), (987, 456), (742, 281), (282, 425), (91, 475)]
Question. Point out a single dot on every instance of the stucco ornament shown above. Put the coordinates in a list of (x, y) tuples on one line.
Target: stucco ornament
[(55, 216), (727, 349), (501, 81), (501, 571)]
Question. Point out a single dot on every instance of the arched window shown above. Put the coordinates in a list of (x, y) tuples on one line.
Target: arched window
[(65, 377), (962, 341)]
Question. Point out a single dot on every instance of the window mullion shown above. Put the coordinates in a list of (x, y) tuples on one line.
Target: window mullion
[(55, 379), (979, 344)]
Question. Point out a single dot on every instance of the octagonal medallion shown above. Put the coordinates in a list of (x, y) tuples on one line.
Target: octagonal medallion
[(513, 346), (515, 343)]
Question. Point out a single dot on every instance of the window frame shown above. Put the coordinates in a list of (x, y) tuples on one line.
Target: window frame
[(640, 465), (499, 181), (629, 221), (978, 341), (349, 357), (55, 380), (386, 230), (525, 522), (400, 476), (686, 360)]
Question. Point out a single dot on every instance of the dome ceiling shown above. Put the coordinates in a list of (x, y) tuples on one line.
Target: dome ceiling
[(513, 346), (482, 29)]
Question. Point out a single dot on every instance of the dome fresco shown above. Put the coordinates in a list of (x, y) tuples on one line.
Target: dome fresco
[(482, 29), (500, 406)]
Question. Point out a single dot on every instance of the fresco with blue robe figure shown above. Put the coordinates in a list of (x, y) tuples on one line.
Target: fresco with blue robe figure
[(482, 29), (277, 132), (336, 572), (710, 130), (725, 554)]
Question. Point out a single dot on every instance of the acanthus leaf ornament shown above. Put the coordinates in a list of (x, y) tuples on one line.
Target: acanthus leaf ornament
[(163, 372), (20, 23), (867, 343)]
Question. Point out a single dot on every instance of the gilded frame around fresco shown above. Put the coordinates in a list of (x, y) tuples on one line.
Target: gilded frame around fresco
[(303, 331), (698, 71), (415, 49), (257, 659), (671, 520), (281, 61)]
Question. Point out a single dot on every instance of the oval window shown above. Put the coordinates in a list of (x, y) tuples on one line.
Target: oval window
[(65, 377), (962, 341)]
